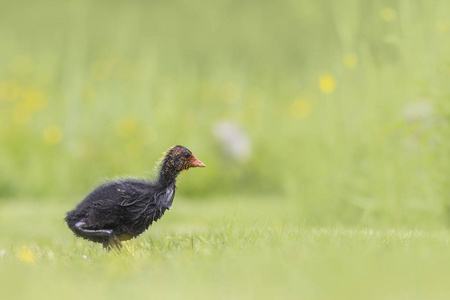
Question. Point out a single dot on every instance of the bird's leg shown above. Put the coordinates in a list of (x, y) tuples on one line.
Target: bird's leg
[(108, 235), (113, 242)]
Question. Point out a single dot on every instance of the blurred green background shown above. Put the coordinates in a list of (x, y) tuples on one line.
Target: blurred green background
[(324, 127), (339, 108)]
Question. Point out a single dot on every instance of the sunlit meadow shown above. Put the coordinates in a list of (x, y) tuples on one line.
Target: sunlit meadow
[(323, 124)]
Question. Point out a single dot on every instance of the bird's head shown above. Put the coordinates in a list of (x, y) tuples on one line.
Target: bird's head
[(179, 158)]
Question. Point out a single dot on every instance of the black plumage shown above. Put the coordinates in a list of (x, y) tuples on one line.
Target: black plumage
[(123, 209)]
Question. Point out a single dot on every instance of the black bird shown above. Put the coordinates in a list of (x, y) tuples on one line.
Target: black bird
[(120, 210)]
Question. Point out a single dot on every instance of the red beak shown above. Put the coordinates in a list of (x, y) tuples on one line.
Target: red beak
[(196, 163)]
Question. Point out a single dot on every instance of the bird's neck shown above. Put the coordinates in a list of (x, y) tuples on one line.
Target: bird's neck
[(167, 174)]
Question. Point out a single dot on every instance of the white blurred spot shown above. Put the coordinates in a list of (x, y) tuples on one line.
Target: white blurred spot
[(419, 111), (234, 141)]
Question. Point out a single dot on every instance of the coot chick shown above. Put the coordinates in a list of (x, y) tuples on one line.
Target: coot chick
[(120, 210)]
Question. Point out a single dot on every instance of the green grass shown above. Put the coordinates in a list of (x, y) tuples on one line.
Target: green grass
[(249, 249), (345, 104)]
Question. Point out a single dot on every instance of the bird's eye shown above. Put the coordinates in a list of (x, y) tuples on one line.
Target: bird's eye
[(186, 155)]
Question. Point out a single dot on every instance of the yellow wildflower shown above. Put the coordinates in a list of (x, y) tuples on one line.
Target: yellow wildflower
[(126, 128), (350, 61), (34, 100), (26, 255), (53, 135), (441, 27), (230, 93), (300, 109), (327, 84), (388, 14)]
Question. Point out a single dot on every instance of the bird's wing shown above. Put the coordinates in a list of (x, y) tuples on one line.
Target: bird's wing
[(131, 192)]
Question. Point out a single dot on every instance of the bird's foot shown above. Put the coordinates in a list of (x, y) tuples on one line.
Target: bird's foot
[(112, 243)]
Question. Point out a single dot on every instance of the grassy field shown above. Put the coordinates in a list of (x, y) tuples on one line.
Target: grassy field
[(214, 250), (324, 127)]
